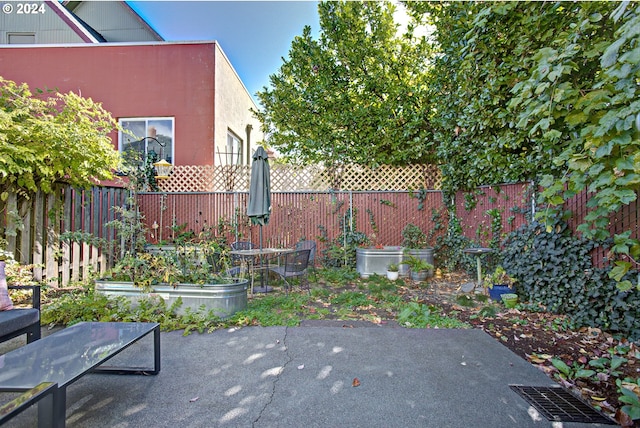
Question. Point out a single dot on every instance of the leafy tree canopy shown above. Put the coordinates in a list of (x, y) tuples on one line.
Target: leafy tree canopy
[(502, 92), (51, 137), (498, 119), (542, 91), (355, 95)]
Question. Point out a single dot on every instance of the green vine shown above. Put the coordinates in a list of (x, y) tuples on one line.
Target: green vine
[(421, 195), (554, 271), (496, 227)]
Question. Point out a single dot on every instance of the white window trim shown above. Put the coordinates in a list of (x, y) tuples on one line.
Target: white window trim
[(146, 119)]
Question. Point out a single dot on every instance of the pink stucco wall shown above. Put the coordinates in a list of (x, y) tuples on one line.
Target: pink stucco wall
[(142, 80)]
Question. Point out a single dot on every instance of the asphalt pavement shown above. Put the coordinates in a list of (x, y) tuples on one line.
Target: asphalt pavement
[(320, 374)]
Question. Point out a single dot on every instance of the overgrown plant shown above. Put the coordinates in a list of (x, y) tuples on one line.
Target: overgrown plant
[(419, 315), (554, 269), (573, 372), (553, 98), (449, 248), (413, 237), (341, 251), (630, 396)]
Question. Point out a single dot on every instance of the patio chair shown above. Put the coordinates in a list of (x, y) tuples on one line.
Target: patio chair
[(18, 321), (294, 265), (310, 245)]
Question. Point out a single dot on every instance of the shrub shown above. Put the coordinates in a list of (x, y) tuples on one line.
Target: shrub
[(554, 268)]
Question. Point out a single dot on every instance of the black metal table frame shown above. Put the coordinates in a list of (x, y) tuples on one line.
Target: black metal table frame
[(45, 418), (249, 256), (43, 395)]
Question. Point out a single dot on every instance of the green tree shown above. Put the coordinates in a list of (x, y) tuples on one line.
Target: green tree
[(543, 91), (581, 96), (487, 50), (50, 138), (355, 95)]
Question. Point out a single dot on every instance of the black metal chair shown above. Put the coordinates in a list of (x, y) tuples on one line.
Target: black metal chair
[(310, 245), (294, 265)]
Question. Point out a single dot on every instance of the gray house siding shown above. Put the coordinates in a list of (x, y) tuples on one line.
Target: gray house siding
[(47, 26), (115, 21)]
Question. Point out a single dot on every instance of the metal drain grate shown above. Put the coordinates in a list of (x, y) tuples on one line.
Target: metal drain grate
[(559, 405)]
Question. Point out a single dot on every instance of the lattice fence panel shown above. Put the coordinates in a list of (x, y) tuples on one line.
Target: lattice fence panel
[(287, 177), (356, 177), (195, 178)]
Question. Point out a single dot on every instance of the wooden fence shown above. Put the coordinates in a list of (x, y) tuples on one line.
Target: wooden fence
[(323, 216), (287, 178), (33, 226)]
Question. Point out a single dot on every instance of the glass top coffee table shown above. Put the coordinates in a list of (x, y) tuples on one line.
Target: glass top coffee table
[(69, 354)]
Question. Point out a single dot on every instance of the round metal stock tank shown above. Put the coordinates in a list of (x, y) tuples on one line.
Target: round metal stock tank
[(376, 260), (425, 254), (223, 299)]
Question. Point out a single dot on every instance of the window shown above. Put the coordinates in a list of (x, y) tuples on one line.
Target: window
[(21, 38), (234, 149), (146, 135)]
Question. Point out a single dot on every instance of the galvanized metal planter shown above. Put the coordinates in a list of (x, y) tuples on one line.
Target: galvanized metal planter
[(223, 299), (376, 260)]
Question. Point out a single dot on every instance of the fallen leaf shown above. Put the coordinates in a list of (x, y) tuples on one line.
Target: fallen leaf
[(356, 382), (623, 419), (541, 357)]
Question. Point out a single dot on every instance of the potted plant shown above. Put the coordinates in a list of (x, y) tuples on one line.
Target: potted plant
[(498, 283), (414, 242), (510, 300), (420, 269), (392, 271)]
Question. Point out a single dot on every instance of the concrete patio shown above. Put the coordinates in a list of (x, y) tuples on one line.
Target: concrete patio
[(304, 377)]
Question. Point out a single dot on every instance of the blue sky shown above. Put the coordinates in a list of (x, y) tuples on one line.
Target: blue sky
[(254, 35)]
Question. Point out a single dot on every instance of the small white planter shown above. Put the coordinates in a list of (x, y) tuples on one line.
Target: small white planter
[(393, 275)]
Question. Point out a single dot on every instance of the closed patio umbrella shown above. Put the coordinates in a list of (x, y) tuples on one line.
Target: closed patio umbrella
[(259, 206)]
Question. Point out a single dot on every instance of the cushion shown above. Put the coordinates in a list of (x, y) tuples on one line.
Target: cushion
[(5, 300), (17, 319)]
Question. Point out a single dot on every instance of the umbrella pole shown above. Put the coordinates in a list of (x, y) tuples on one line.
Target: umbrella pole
[(261, 263)]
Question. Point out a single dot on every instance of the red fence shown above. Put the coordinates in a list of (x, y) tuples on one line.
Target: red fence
[(506, 203), (294, 216), (381, 215)]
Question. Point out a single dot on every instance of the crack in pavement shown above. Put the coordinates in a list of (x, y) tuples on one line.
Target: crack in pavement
[(275, 382)]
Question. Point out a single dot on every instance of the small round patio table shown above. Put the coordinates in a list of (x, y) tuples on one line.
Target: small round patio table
[(478, 252)]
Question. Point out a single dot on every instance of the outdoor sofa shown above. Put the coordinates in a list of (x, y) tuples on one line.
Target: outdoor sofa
[(18, 321)]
